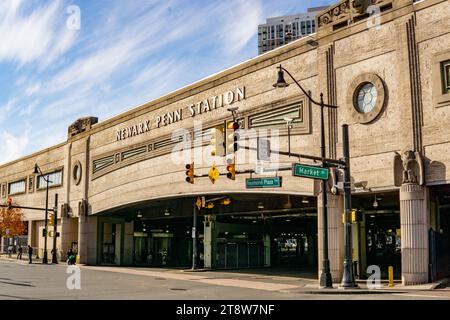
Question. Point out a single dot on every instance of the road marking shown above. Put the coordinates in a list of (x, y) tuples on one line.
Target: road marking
[(419, 296), (258, 285)]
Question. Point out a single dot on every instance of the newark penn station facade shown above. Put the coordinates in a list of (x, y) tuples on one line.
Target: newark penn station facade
[(123, 195)]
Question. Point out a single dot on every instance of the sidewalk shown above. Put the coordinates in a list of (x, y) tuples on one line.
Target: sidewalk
[(363, 288)]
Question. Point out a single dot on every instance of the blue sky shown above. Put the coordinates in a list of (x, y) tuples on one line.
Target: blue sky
[(125, 53)]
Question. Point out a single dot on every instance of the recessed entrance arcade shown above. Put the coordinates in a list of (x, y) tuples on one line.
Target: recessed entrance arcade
[(253, 230)]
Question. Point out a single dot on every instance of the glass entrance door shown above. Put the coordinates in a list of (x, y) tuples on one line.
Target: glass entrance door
[(383, 242)]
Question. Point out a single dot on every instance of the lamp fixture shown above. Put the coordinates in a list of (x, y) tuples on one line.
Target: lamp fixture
[(375, 202), (260, 205), (139, 215), (281, 83), (167, 212), (305, 200)]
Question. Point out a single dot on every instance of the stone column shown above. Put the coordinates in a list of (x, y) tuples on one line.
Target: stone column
[(209, 242), (266, 250), (335, 235), (414, 234)]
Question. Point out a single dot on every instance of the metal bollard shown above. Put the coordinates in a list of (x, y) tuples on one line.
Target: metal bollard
[(391, 276)]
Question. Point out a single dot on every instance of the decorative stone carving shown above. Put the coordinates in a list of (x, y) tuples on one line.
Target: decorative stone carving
[(346, 10), (81, 125), (408, 168)]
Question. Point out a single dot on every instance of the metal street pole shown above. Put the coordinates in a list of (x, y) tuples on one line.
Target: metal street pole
[(55, 228), (348, 278), (45, 258), (325, 277), (194, 238)]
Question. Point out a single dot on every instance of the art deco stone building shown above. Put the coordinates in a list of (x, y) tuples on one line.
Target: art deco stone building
[(123, 195)]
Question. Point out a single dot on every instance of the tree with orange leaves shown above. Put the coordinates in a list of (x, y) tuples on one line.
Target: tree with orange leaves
[(12, 220)]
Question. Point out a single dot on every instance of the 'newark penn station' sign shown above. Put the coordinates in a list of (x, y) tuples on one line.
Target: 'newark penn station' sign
[(206, 105)]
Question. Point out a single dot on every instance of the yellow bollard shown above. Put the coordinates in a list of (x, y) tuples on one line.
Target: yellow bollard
[(391, 276)]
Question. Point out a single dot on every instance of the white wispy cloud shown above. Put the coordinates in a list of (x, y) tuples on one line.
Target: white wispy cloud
[(239, 27), (12, 146), (38, 36)]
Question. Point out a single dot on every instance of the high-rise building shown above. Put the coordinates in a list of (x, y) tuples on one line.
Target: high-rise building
[(279, 31)]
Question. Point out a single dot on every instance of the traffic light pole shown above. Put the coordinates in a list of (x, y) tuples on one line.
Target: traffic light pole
[(45, 257), (348, 278), (194, 238), (55, 229)]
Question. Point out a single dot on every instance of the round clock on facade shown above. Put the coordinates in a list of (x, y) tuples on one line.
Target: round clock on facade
[(367, 96)]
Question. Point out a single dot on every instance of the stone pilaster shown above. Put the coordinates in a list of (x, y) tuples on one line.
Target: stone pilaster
[(209, 242), (82, 235), (335, 235), (414, 234)]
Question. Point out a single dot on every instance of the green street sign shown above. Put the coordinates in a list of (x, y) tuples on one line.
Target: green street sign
[(271, 182), (301, 170)]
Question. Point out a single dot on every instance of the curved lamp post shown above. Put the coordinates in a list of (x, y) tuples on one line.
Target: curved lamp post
[(325, 276), (38, 170)]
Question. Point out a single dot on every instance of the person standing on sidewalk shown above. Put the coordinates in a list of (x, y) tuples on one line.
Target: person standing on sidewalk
[(30, 254), (19, 253)]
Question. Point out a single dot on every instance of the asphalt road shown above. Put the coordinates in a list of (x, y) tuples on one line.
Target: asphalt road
[(20, 280)]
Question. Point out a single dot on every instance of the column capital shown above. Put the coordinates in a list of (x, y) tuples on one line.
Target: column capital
[(412, 191)]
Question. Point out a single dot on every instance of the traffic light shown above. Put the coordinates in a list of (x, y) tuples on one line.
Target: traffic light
[(9, 203), (217, 141), (51, 219), (232, 137), (231, 168), (190, 173)]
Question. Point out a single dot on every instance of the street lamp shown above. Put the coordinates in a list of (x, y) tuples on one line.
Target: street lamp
[(38, 170), (325, 277)]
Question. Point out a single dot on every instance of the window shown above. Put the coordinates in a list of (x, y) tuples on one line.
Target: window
[(303, 27), (55, 179), (308, 27), (445, 66), (441, 79), (17, 187)]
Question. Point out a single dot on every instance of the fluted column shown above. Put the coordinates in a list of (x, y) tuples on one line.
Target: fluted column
[(414, 234), (335, 235)]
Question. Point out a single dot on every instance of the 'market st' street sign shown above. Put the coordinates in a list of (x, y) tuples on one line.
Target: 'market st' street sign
[(300, 170)]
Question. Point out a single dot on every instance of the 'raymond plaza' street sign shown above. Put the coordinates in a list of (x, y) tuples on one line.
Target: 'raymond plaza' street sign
[(301, 170), (271, 182)]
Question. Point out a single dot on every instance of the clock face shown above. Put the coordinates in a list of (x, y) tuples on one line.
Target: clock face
[(366, 98)]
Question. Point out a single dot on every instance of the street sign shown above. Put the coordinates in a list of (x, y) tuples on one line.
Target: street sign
[(301, 170), (213, 174), (263, 152), (268, 182)]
